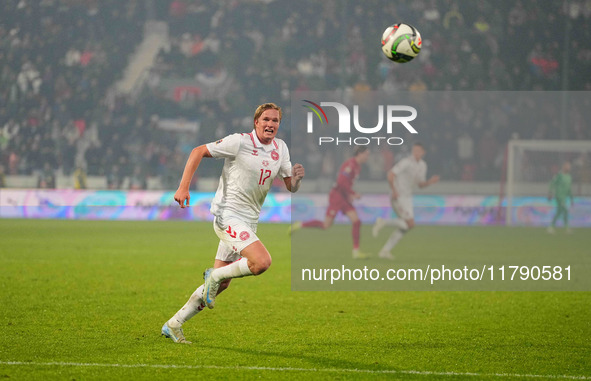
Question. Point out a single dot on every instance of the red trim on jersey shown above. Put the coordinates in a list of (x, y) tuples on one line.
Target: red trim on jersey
[(254, 144), (251, 138)]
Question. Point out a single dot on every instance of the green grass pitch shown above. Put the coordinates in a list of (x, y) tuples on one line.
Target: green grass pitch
[(86, 300)]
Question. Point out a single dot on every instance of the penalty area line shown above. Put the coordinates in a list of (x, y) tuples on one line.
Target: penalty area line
[(288, 369)]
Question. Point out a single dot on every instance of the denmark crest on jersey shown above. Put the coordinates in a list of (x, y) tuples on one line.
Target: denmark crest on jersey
[(274, 155), (244, 235)]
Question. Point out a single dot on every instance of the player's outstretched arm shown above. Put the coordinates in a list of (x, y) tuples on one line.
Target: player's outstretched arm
[(182, 194), (432, 180), (297, 174)]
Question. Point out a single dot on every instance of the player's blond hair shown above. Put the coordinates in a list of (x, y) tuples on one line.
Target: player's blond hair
[(267, 106)]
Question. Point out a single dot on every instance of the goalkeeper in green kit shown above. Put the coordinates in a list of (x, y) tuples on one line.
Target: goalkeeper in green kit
[(560, 188)]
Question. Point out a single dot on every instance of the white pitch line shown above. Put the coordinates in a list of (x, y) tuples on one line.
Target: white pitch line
[(287, 369)]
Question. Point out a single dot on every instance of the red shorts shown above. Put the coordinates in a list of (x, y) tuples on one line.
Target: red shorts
[(337, 203)]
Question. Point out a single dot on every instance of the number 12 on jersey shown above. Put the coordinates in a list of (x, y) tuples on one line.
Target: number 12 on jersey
[(266, 173)]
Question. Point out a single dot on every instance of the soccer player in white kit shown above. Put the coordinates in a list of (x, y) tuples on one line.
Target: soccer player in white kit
[(403, 178), (251, 162)]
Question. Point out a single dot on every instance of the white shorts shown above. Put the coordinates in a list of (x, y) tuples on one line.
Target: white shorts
[(234, 235), (403, 208)]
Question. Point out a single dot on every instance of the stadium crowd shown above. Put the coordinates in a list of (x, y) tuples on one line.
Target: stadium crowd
[(60, 59)]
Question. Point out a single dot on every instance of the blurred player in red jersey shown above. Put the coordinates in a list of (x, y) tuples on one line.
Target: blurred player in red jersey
[(340, 199)]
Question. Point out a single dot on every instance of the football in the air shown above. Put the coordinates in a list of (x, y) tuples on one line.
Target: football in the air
[(401, 42)]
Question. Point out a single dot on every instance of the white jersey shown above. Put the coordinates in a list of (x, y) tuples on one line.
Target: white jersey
[(409, 173), (249, 170)]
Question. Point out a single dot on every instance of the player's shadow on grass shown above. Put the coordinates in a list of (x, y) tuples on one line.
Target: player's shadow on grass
[(321, 362)]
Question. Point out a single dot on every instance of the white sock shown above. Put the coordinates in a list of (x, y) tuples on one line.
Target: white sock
[(236, 269), (397, 222), (393, 240), (193, 306)]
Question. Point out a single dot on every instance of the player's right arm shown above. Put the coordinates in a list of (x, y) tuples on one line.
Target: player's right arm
[(227, 147), (182, 193), (396, 170), (391, 178), (552, 187)]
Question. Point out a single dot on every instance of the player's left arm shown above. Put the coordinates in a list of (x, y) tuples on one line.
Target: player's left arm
[(423, 182), (432, 180), (293, 182), (292, 176)]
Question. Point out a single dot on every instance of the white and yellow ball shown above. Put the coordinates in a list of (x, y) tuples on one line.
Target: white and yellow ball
[(401, 42)]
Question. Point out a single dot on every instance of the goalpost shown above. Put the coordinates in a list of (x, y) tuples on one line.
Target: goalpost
[(531, 165)]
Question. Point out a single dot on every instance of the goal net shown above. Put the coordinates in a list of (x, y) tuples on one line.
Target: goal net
[(531, 165)]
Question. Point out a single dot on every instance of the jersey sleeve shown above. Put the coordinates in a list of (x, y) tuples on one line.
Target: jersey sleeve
[(399, 167), (285, 170), (423, 174), (227, 147)]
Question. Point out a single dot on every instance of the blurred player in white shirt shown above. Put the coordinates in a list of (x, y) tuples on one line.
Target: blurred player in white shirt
[(403, 178), (251, 162)]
